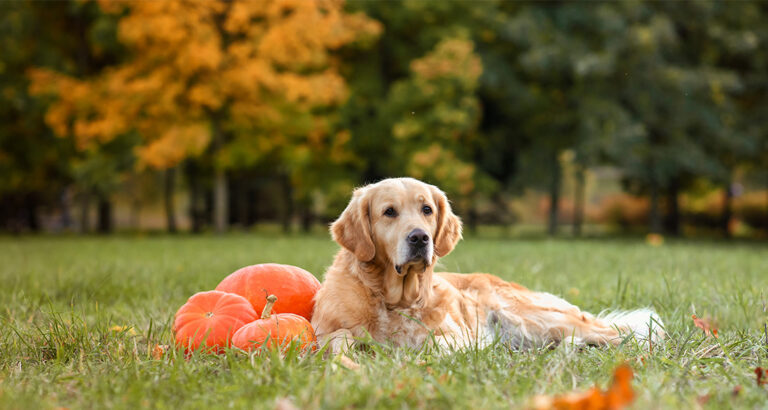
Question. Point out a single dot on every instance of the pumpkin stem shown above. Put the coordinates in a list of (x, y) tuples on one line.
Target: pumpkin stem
[(271, 299)]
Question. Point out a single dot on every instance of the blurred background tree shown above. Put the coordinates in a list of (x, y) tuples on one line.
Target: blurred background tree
[(647, 116), (43, 171), (200, 76)]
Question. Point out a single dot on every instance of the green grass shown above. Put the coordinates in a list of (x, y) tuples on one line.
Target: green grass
[(61, 297)]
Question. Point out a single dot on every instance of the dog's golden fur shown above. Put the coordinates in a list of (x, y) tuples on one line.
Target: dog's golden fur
[(374, 289)]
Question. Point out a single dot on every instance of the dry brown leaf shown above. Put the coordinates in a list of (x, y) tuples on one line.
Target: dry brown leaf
[(703, 399), (159, 351), (654, 239), (618, 396), (762, 376), (705, 324)]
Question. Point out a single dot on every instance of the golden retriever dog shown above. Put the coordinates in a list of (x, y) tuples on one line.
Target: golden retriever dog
[(381, 285)]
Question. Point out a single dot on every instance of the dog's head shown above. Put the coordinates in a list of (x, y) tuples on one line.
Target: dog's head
[(401, 226)]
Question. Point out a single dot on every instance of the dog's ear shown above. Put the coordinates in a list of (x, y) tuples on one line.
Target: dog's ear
[(353, 228), (448, 224)]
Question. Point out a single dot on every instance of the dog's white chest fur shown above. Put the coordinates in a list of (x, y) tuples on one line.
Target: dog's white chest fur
[(402, 326)]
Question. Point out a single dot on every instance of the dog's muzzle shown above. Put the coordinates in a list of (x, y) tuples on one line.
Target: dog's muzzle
[(418, 249)]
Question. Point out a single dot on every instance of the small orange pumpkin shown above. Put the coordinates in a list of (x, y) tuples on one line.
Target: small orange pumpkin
[(210, 319), (294, 287), (275, 330)]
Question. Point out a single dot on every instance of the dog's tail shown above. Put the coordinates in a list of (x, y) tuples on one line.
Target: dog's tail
[(645, 324)]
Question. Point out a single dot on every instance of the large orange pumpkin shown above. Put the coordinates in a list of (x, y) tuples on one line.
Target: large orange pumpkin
[(294, 287), (275, 330), (210, 319)]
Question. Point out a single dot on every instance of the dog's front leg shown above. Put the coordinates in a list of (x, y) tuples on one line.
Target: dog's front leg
[(338, 341)]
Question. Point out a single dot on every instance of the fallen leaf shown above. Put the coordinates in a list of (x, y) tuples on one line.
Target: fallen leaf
[(618, 396), (348, 363), (703, 399), (736, 390), (159, 351), (399, 387), (762, 376), (705, 324), (654, 239)]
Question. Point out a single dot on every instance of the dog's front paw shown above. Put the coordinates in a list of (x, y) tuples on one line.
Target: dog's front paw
[(338, 341)]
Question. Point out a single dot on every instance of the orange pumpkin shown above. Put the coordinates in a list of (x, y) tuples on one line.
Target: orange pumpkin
[(210, 319), (275, 330), (294, 287)]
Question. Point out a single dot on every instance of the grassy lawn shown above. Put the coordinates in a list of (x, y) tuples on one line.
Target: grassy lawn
[(63, 301)]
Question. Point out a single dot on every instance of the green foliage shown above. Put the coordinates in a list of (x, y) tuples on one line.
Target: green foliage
[(435, 115), (36, 167), (441, 90), (101, 170), (28, 152)]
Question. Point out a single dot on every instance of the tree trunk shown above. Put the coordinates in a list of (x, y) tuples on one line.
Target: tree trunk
[(220, 195), (253, 204), (307, 218), (136, 214), (654, 217), (578, 201), (170, 209), (554, 196), (105, 215), (196, 200), (287, 212), (673, 211), (33, 220), (725, 222), (243, 204), (207, 214), (85, 214), (507, 217), (472, 219), (220, 211), (66, 210)]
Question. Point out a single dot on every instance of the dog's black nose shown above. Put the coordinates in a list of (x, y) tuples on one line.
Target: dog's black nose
[(418, 238)]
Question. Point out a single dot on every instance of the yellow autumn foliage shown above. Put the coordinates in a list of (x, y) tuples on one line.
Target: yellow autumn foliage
[(175, 144), (439, 116), (452, 58), (444, 80), (190, 61), (435, 163)]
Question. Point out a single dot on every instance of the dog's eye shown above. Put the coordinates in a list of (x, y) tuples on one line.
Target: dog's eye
[(390, 212), (426, 209)]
